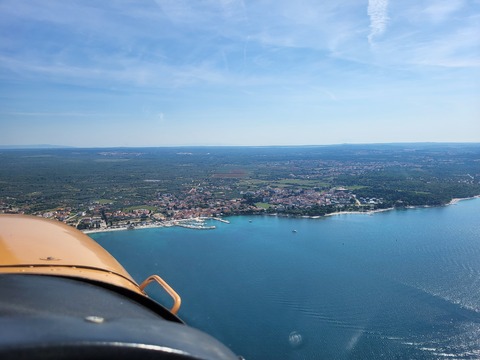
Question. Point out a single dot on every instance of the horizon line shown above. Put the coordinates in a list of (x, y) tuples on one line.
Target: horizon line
[(53, 146)]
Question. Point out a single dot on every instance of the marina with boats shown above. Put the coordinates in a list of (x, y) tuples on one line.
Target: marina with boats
[(199, 223)]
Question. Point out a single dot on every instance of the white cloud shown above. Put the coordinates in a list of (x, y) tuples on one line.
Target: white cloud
[(377, 11)]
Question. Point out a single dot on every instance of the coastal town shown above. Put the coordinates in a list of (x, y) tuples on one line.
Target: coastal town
[(198, 205), (100, 190)]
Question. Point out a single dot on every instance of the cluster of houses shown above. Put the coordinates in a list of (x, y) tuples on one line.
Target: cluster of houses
[(201, 202)]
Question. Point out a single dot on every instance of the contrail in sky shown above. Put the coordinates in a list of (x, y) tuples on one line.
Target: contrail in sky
[(377, 11)]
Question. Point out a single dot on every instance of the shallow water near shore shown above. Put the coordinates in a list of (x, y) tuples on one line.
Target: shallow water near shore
[(398, 284)]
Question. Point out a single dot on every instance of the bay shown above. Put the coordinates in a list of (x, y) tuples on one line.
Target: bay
[(402, 284)]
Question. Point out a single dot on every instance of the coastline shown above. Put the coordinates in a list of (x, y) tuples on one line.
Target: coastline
[(171, 223), (457, 200), (454, 201), (370, 212), (149, 226)]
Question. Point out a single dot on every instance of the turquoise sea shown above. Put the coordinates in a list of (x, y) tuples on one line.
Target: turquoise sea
[(402, 284)]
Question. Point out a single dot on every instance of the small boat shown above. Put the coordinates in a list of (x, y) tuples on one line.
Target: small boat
[(63, 296), (294, 231)]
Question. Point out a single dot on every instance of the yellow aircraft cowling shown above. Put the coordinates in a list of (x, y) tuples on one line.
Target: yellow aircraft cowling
[(63, 296), (34, 245)]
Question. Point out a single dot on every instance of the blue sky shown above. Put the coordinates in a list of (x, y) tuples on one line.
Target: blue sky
[(238, 72)]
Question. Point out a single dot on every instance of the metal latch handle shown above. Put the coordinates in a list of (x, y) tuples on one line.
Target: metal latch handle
[(177, 301)]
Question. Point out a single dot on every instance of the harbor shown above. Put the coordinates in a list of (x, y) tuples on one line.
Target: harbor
[(199, 223)]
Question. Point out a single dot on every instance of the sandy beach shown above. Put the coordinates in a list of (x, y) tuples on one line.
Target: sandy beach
[(370, 212), (456, 200)]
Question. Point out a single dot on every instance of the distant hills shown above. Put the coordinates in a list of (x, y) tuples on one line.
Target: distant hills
[(37, 146), (345, 145)]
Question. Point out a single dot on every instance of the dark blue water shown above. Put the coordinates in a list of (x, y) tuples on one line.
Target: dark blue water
[(394, 285)]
